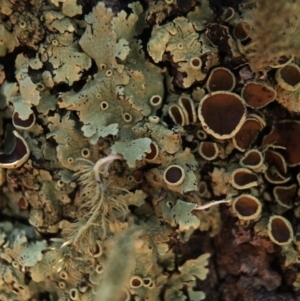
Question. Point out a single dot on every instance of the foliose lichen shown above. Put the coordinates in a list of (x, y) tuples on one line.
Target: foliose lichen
[(119, 141)]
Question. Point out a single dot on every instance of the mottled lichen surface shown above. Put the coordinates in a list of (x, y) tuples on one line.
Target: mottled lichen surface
[(129, 170)]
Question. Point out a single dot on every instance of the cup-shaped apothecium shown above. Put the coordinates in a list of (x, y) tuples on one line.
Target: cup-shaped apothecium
[(280, 230), (174, 175)]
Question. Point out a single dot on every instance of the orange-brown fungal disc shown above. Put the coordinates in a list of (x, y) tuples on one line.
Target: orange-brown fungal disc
[(247, 134), (147, 282), (23, 124), (284, 195), (74, 294), (85, 153), (280, 230), (99, 269), (174, 175), (258, 95), (281, 61), (288, 77), (127, 117), (156, 101), (247, 207), (241, 31), (273, 158), (176, 114), (277, 168), (208, 150), (62, 285), (203, 190), (220, 79), (104, 105), (201, 135), (285, 134), (63, 275), (138, 176), (195, 63), (40, 87), (135, 281), (154, 151), (18, 155), (222, 114), (252, 159), (243, 178), (23, 203), (273, 176), (188, 109)]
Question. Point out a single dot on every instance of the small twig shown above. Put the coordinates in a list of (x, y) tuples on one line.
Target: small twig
[(208, 205)]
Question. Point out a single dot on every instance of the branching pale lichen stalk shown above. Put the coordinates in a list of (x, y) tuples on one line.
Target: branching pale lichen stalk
[(100, 199), (102, 165), (274, 34)]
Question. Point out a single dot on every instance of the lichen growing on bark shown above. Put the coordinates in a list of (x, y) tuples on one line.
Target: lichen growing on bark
[(130, 169)]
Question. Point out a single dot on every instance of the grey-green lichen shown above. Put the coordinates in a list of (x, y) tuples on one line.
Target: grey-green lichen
[(113, 179), (185, 46)]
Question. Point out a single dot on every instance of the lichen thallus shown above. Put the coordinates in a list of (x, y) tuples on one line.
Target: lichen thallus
[(101, 200)]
